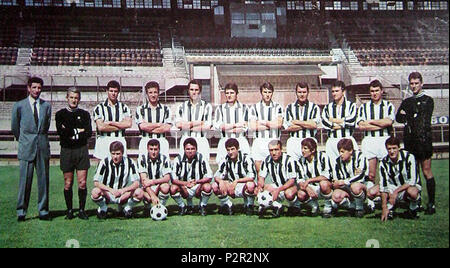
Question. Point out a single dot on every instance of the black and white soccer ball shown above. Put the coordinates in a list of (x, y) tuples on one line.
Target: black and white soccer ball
[(158, 212), (265, 199)]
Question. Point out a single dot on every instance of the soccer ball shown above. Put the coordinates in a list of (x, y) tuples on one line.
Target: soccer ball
[(158, 212), (265, 199)]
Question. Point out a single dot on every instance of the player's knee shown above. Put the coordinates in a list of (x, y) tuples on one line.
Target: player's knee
[(325, 187), (413, 192), (206, 187), (302, 196), (138, 194), (164, 188), (174, 189), (338, 197), (96, 193), (357, 188), (250, 187)]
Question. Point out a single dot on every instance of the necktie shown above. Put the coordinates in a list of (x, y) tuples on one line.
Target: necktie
[(36, 118)]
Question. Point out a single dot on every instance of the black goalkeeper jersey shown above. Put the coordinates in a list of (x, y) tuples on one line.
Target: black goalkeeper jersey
[(67, 123), (417, 120)]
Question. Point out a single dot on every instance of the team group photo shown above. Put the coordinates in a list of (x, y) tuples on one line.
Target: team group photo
[(321, 154)]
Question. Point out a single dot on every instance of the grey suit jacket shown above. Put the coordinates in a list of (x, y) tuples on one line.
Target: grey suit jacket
[(32, 139)]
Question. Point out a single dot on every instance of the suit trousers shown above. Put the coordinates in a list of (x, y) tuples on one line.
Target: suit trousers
[(41, 163)]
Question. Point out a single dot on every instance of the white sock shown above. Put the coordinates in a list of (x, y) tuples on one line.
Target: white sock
[(178, 199), (205, 198)]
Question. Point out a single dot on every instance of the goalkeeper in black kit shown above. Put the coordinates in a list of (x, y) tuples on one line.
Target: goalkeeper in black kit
[(415, 112), (74, 129)]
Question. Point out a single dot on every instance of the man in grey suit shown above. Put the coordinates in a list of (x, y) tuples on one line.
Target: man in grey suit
[(30, 123)]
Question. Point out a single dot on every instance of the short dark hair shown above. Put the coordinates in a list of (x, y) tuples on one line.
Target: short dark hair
[(376, 83), (113, 84), (346, 144), (153, 142), (190, 141), (338, 83), (35, 79), (232, 142), (415, 75), (266, 85), (310, 143), (151, 84), (302, 85), (232, 86), (116, 146), (195, 82), (392, 141)]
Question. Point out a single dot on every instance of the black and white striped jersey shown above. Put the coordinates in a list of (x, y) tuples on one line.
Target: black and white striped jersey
[(116, 176), (197, 169), (262, 112), (187, 111), (243, 167), (319, 166), (372, 111), (308, 111), (404, 171), (108, 113), (159, 114), (280, 171), (155, 169), (356, 169), (347, 111), (231, 114)]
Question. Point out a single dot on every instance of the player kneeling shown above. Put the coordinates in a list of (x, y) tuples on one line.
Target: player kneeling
[(282, 170), (116, 182), (349, 175), (399, 181), (315, 168), (154, 171), (191, 176), (235, 178)]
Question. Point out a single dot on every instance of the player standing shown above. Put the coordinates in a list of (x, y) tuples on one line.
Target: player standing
[(235, 178), (194, 118), (112, 118), (266, 121), (415, 112), (339, 118), (154, 171), (231, 119), (301, 120), (191, 176), (74, 129), (153, 120), (116, 182)]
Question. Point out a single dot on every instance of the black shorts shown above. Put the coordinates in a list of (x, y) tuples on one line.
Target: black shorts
[(74, 159), (421, 149)]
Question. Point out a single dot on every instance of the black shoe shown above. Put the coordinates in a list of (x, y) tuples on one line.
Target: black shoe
[(411, 214), (182, 211), (261, 211), (221, 210), (101, 215), (359, 213), (128, 214), (21, 218), (229, 210), (69, 215), (315, 212), (293, 211), (390, 215), (82, 215), (146, 212), (249, 210), (431, 209), (202, 210), (189, 210), (45, 217), (276, 212)]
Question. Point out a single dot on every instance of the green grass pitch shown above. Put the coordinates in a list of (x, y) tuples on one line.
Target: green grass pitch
[(193, 231)]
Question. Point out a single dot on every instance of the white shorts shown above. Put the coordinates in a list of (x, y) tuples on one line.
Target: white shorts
[(401, 195), (163, 145), (239, 190), (102, 143), (281, 196), (294, 147), (332, 150), (373, 147), (244, 147), (191, 191), (260, 149), (112, 199), (202, 146)]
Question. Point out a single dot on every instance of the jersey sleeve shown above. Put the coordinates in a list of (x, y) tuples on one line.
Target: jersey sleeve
[(100, 172)]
